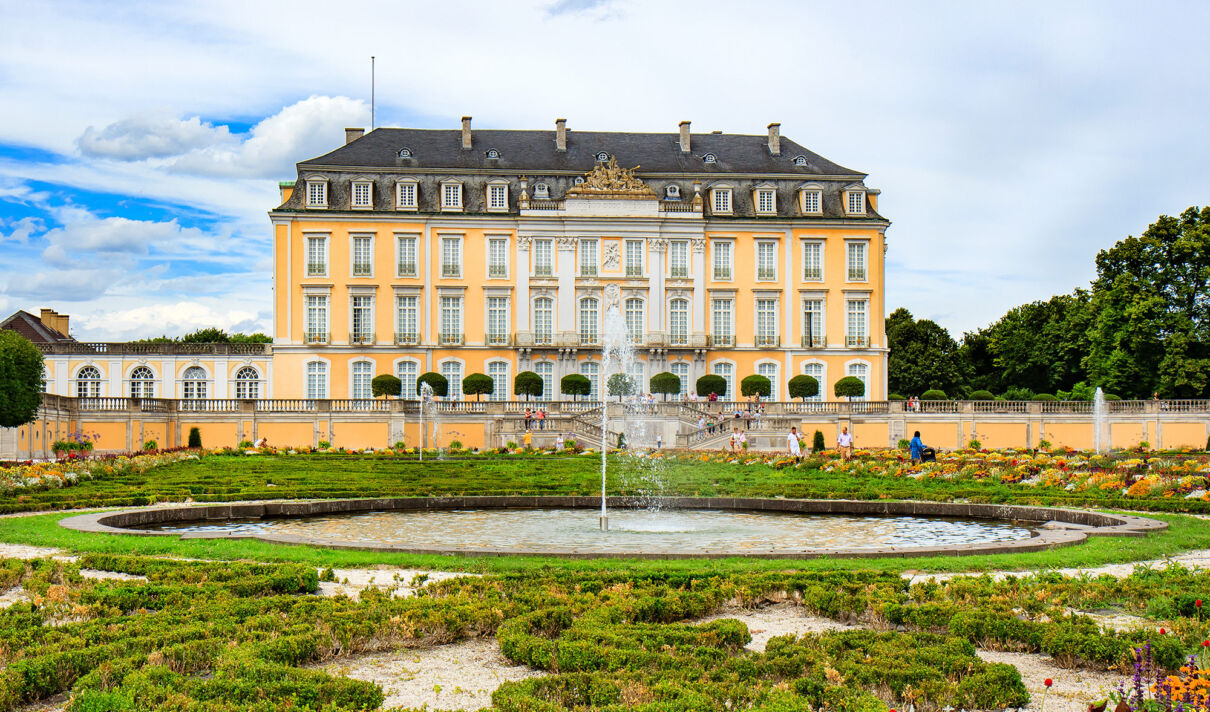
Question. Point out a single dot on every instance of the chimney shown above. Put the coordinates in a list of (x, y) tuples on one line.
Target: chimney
[(466, 133), (54, 320), (352, 135), (775, 139), (561, 135), (684, 137)]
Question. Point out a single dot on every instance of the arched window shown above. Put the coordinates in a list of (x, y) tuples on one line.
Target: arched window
[(635, 319), (142, 383), (815, 370), (359, 386), (861, 371), (592, 371), (727, 371), (590, 310), (88, 382), (678, 322), (407, 372), (546, 370), (602, 157), (452, 370), (541, 191), (681, 369), (498, 372), (317, 379), (193, 383), (247, 383), (544, 314), (709, 158), (769, 371)]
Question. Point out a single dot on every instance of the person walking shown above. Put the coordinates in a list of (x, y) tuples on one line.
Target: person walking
[(528, 439), (844, 442), (916, 447), (793, 445), (559, 441)]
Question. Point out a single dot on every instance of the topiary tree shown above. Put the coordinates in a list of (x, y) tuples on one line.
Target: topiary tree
[(666, 383), (527, 383), (478, 384), (195, 437), (575, 384), (981, 395), (755, 385), (934, 394), (439, 384), (711, 383), (619, 384), (849, 387), (385, 384), (803, 386), (817, 443), (1043, 397), (20, 380), (895, 397)]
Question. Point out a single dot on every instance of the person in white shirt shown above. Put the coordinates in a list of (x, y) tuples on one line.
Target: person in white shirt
[(734, 439), (844, 441), (793, 445)]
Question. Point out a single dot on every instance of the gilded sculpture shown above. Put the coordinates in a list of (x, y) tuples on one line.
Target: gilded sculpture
[(609, 180)]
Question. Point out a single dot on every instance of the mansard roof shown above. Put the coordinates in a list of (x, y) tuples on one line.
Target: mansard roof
[(32, 328), (535, 151)]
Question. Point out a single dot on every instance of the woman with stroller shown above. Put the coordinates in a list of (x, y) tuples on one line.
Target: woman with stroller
[(917, 448)]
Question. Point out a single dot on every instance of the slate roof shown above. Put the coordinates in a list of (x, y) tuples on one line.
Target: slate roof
[(32, 328), (535, 151)]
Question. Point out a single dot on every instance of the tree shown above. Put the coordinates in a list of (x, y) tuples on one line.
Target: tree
[(978, 362), (1040, 345), (849, 387), (439, 383), (20, 380), (575, 384), (527, 383), (934, 394), (755, 385), (803, 386), (666, 383), (384, 384), (923, 355), (209, 335), (620, 384), (711, 383), (195, 437), (477, 384)]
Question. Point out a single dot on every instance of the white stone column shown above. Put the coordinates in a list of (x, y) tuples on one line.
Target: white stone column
[(655, 284), (565, 319), (699, 286), (521, 269)]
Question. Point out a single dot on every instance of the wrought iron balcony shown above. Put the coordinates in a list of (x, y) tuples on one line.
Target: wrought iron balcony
[(498, 339), (317, 269), (317, 337), (766, 274), (857, 342), (404, 338), (406, 269), (813, 342), (722, 274), (450, 339), (361, 337), (812, 274), (857, 275), (362, 269), (768, 340), (497, 271), (717, 340)]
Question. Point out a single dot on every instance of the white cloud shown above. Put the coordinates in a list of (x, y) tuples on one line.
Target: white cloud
[(136, 139), (173, 319), (72, 285), (19, 231)]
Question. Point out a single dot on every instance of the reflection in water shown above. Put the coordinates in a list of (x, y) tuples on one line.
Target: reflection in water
[(631, 530)]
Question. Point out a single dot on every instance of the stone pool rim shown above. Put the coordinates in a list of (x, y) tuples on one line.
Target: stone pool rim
[(1063, 527)]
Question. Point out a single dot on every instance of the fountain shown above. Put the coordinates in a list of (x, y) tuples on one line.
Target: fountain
[(428, 412), (615, 346), (1100, 411)]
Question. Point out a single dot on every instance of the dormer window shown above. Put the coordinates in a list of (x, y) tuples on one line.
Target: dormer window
[(800, 160), (497, 197), (405, 153), (720, 201), (672, 191), (811, 196), (709, 158), (766, 201), (317, 193), (405, 195), (579, 180), (362, 194), (541, 191), (451, 196), (493, 153), (602, 157), (854, 202)]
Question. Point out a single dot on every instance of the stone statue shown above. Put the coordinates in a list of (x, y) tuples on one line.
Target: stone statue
[(612, 257)]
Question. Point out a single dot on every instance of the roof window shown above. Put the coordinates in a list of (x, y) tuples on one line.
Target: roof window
[(493, 153), (405, 152), (800, 160), (602, 157), (709, 158)]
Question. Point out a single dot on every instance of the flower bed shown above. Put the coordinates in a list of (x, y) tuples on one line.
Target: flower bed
[(35, 476)]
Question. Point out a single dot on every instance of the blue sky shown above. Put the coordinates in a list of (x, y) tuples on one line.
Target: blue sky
[(142, 142)]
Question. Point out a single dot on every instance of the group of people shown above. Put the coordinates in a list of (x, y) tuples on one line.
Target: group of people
[(844, 443), (538, 415)]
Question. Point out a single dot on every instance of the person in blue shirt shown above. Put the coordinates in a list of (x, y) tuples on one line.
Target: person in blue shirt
[(917, 448)]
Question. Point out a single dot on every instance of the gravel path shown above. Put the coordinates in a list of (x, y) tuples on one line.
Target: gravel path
[(400, 583)]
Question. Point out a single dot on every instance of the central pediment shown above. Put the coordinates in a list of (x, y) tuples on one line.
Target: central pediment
[(609, 180)]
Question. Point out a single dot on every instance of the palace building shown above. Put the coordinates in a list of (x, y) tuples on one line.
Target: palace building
[(499, 251)]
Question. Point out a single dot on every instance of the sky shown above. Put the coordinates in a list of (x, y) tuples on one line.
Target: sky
[(141, 142)]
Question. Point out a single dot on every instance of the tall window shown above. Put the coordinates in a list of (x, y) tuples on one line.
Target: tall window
[(406, 309), (405, 195), (406, 371), (546, 370), (727, 371), (722, 322), (856, 331), (588, 258), (590, 310), (497, 257), (544, 316), (317, 256), (452, 370), (497, 321), (451, 257), (812, 202), (681, 370), (497, 197), (317, 379), (678, 322), (678, 258), (722, 260), (498, 372), (363, 256), (359, 387), (815, 370), (363, 320), (769, 371), (722, 200), (451, 320), (247, 383), (142, 383), (406, 256), (317, 193), (812, 323), (635, 320), (362, 195), (855, 202), (766, 322), (766, 201), (634, 258), (317, 319), (193, 383), (88, 382), (451, 196), (856, 260), (592, 371), (861, 371), (766, 261), (812, 261), (543, 266)]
